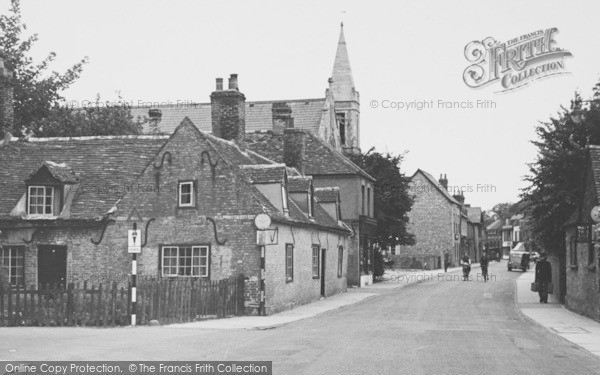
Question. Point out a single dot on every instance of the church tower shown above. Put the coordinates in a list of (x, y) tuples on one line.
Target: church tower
[(347, 100)]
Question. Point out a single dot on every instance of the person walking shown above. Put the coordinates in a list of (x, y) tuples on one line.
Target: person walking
[(484, 261), (446, 260), (543, 276), (465, 261)]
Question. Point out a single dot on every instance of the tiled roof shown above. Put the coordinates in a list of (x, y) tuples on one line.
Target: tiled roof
[(320, 158), (299, 184), (327, 194), (498, 224), (106, 166), (435, 183), (474, 214), (61, 171), (259, 116), (265, 173)]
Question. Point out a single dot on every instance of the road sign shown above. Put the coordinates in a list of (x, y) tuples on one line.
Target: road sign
[(134, 241), (267, 237), (262, 221), (595, 214)]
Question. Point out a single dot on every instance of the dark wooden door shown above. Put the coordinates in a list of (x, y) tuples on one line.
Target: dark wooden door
[(52, 264)]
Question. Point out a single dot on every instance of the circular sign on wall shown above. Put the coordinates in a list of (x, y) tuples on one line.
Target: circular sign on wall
[(595, 214), (262, 221)]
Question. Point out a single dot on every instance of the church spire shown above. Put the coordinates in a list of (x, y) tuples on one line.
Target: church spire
[(343, 83)]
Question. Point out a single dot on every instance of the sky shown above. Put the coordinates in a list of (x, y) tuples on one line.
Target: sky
[(400, 52)]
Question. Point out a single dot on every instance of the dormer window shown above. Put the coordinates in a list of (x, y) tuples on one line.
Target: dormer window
[(47, 190), (41, 200), (187, 196)]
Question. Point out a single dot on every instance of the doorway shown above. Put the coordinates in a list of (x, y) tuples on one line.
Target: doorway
[(52, 265)]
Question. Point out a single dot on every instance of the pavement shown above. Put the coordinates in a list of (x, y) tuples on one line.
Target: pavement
[(579, 330), (575, 328), (393, 279)]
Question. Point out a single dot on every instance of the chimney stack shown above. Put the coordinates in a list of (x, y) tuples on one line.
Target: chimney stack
[(444, 182), (294, 148), (233, 82), (282, 117), (6, 99), (154, 117), (228, 111)]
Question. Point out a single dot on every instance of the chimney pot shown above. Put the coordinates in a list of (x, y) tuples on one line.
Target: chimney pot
[(154, 113), (219, 84), (233, 82)]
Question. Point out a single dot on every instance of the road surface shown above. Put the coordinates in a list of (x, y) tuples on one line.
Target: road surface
[(444, 326)]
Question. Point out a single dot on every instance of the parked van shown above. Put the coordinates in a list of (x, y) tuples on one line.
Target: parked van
[(518, 258)]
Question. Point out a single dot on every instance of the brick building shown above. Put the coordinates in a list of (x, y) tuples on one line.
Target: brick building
[(437, 221), (578, 280), (66, 205), (311, 135), (314, 157)]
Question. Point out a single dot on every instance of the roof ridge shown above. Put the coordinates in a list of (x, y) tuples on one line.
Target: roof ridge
[(198, 104), (88, 138), (345, 159)]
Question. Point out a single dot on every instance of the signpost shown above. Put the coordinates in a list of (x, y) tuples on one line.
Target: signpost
[(262, 222), (134, 247)]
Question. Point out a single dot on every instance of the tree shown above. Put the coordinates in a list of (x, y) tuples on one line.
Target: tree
[(98, 119), (38, 104), (556, 177), (391, 197)]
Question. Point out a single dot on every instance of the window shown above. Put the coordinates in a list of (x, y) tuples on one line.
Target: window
[(41, 200), (185, 261), (289, 263), (341, 119), (584, 233), (316, 262), (187, 194), (340, 261), (363, 199), (573, 251), (368, 201), (12, 264)]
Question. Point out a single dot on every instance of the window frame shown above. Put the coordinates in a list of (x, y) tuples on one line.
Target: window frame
[(44, 196), (340, 261), (573, 251), (316, 258), (289, 267), (178, 266), (193, 193), (20, 253)]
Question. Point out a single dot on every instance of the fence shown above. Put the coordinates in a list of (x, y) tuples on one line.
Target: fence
[(165, 300)]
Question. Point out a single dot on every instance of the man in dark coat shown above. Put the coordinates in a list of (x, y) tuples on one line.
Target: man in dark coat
[(543, 276), (484, 261), (446, 260)]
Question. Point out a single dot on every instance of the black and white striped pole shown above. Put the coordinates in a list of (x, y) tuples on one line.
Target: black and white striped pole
[(262, 310), (134, 248), (262, 222)]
